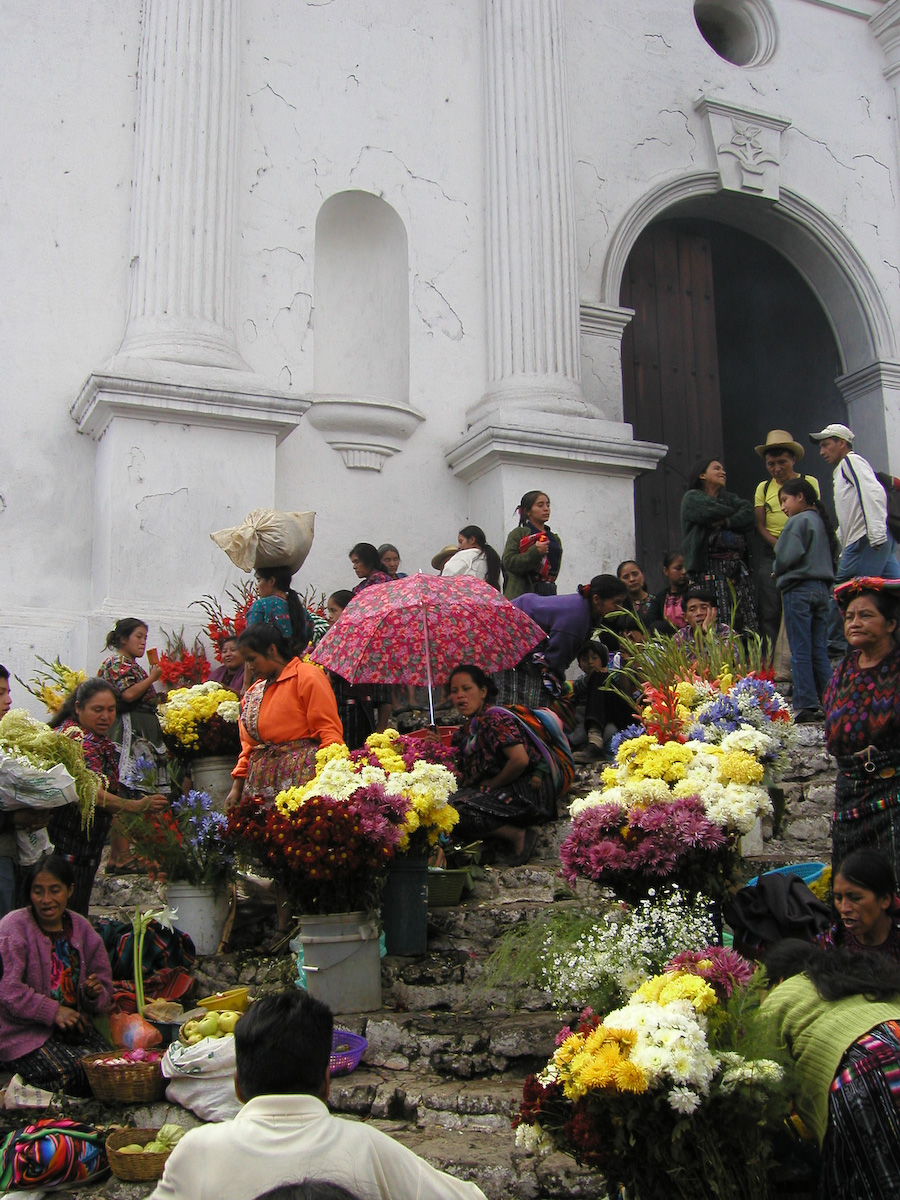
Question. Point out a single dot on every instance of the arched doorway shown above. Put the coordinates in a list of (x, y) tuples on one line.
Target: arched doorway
[(728, 341)]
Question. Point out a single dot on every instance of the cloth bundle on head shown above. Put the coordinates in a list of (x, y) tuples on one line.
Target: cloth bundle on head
[(845, 592), (267, 538)]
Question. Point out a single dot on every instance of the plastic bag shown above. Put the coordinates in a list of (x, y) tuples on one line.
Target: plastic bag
[(31, 845), (202, 1078), (133, 1032), (268, 539), (24, 786)]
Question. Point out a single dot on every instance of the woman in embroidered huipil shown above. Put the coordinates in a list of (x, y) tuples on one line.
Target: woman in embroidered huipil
[(143, 760), (862, 723), (286, 716), (504, 786), (56, 975), (87, 715)]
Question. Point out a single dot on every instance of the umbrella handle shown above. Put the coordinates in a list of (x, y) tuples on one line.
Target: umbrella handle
[(428, 665)]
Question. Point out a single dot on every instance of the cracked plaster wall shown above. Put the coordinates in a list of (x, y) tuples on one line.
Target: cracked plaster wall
[(67, 92), (633, 126), (393, 106), (341, 95)]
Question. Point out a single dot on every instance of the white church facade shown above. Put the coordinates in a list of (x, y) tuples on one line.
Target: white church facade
[(400, 262)]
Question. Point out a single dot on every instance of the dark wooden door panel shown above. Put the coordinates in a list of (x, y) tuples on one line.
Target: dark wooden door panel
[(670, 377)]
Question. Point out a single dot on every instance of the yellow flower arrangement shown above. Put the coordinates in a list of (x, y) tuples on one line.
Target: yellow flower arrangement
[(187, 708), (596, 1060), (52, 686), (678, 985), (737, 766)]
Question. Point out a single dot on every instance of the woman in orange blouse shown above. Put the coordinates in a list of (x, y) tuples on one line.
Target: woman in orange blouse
[(286, 716)]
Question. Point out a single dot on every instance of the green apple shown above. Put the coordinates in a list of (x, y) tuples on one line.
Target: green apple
[(208, 1026), (190, 1028), (228, 1018)]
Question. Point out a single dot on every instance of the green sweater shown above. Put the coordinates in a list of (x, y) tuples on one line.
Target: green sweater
[(816, 1032), (699, 512), (521, 568)]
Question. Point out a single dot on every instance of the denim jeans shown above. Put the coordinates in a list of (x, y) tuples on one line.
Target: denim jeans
[(805, 623), (861, 558)]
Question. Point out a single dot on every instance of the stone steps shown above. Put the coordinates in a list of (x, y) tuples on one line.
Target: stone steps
[(447, 1057)]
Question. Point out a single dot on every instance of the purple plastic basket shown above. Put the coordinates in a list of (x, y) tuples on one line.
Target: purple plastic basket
[(346, 1059)]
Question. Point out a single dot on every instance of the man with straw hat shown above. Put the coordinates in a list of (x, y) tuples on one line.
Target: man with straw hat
[(781, 454)]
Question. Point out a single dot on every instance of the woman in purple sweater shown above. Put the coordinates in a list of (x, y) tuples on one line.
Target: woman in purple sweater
[(56, 975)]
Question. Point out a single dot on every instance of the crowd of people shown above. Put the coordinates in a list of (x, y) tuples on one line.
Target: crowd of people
[(515, 761)]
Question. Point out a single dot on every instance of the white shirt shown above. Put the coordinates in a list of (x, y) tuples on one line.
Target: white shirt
[(861, 511), (467, 562), (276, 1140)]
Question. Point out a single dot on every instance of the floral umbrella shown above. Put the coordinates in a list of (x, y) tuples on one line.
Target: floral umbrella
[(417, 629)]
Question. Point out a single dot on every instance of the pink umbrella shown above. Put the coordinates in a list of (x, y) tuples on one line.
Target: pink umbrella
[(417, 629)]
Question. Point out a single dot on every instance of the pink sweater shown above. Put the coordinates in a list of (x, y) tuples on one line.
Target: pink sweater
[(26, 1008)]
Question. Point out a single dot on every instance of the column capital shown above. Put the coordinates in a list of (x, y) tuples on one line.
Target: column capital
[(886, 27)]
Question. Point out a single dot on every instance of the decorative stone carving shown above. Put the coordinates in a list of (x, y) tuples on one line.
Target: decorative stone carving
[(746, 145), (364, 430), (184, 194)]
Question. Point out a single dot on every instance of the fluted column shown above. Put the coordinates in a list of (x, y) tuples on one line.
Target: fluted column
[(183, 211), (533, 335)]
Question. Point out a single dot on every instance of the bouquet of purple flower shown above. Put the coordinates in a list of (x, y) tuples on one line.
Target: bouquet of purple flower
[(189, 842), (634, 849)]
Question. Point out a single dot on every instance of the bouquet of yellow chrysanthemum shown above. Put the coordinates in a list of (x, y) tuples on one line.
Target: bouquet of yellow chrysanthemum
[(409, 768), (202, 719), (660, 1096)]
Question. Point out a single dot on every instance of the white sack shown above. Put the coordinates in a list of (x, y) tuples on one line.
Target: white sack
[(268, 539), (202, 1078)]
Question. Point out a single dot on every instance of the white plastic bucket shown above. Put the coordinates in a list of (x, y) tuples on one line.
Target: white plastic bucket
[(211, 773), (201, 913), (342, 960)]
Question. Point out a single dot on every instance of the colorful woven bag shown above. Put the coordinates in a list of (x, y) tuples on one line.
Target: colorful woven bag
[(49, 1153)]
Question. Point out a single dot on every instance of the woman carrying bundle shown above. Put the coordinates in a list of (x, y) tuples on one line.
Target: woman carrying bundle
[(804, 572)]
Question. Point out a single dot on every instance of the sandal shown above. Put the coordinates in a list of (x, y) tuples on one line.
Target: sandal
[(524, 855)]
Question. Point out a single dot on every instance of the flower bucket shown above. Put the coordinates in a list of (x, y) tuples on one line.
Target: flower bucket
[(341, 960), (404, 906), (211, 773), (201, 913)]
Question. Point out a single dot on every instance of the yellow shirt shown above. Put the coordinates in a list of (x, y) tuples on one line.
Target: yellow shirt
[(767, 497)]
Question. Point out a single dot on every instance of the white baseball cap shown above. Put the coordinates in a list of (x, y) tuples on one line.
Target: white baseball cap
[(835, 431)]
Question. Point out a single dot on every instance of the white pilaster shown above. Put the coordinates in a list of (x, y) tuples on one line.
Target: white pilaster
[(533, 355), (184, 197)]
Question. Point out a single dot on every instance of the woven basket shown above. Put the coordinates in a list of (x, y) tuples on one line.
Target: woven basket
[(124, 1081), (446, 887), (134, 1167)]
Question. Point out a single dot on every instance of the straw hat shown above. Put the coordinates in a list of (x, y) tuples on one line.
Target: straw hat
[(780, 439), (443, 556)]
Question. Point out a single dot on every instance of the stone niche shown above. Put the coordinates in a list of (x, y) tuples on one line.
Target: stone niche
[(361, 323)]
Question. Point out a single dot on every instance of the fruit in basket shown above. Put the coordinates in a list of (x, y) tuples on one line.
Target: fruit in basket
[(213, 1025), (157, 1147), (171, 1134), (209, 1025), (134, 1148), (227, 1019)]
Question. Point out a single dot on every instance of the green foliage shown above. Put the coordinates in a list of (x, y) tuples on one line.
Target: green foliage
[(43, 747), (520, 954)]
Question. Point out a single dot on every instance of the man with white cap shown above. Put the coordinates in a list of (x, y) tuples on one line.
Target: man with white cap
[(861, 506)]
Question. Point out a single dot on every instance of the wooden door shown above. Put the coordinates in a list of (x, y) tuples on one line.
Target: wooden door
[(670, 378)]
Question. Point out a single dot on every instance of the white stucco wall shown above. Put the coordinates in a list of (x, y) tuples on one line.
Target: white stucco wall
[(388, 99)]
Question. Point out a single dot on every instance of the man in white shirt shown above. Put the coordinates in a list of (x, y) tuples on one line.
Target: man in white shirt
[(861, 506), (284, 1133)]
